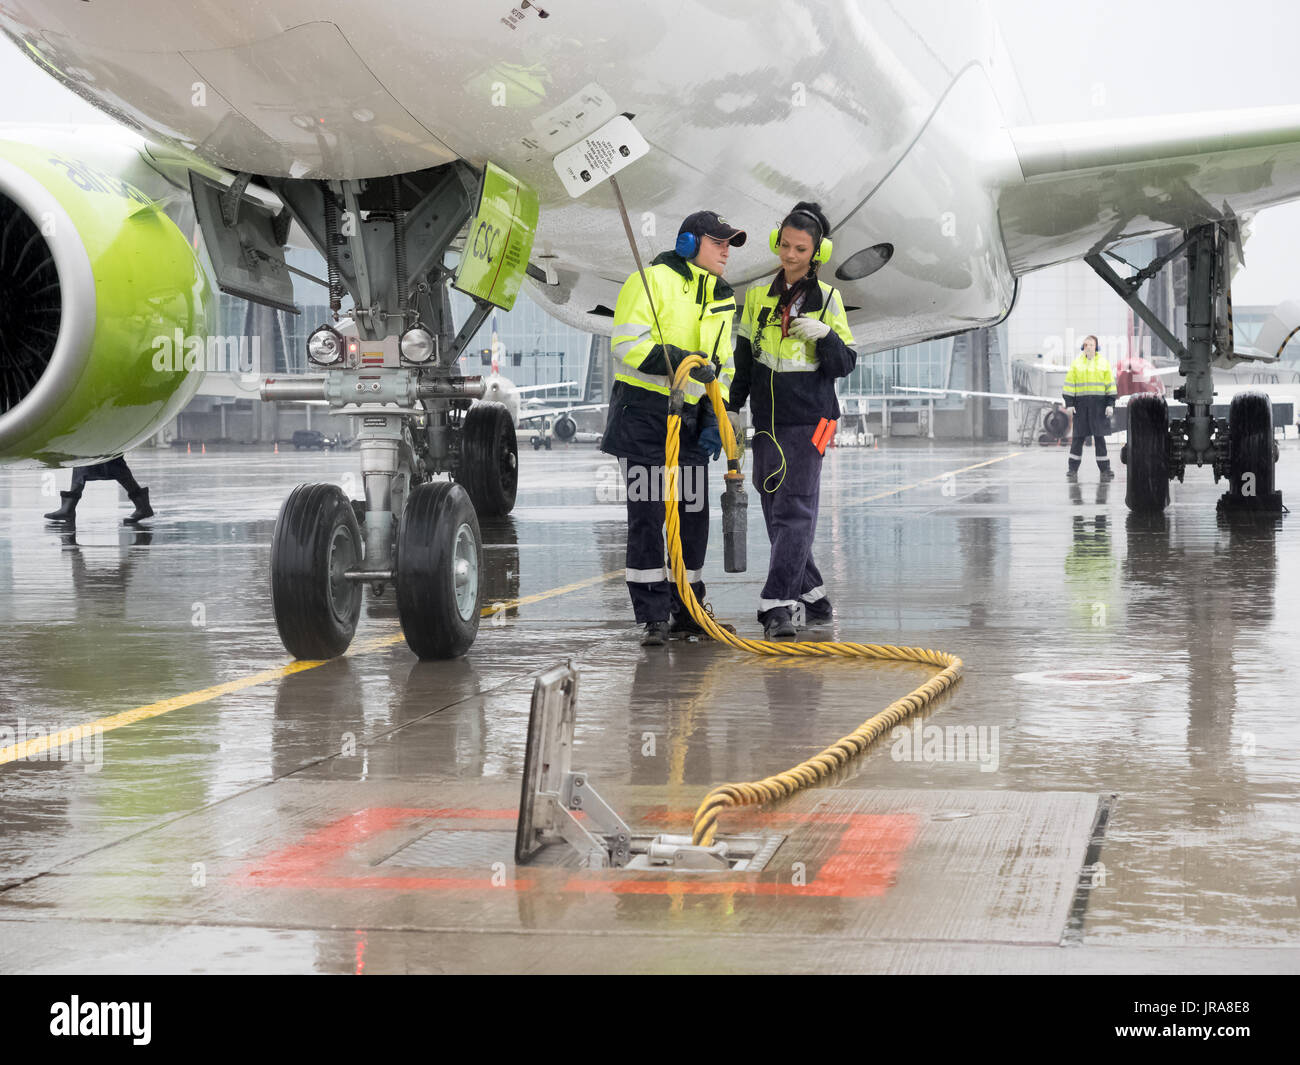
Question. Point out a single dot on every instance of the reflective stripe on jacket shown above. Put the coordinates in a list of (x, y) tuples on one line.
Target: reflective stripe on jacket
[(694, 310), (1089, 377), (789, 381)]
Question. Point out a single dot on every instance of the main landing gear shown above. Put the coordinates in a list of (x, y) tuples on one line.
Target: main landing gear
[(1240, 447), (391, 364)]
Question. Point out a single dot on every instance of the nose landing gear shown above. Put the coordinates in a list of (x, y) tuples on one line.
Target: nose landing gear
[(392, 364)]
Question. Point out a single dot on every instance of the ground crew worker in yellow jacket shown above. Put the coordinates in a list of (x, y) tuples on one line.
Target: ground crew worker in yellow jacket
[(689, 309), (1090, 390)]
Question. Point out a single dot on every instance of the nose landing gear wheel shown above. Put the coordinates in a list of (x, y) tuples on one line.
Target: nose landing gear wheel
[(316, 541), (489, 460), (1147, 455), (1251, 455), (439, 560)]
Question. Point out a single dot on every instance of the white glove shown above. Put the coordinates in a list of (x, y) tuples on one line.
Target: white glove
[(809, 328), (1110, 412), (737, 420)]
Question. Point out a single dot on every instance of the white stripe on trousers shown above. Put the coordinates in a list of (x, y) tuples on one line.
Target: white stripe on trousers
[(651, 576)]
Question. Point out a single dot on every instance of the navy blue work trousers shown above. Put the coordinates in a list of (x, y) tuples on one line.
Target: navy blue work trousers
[(790, 505), (649, 578)]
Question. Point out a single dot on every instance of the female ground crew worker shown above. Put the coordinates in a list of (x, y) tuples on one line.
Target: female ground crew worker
[(1090, 390), (793, 343), (691, 311)]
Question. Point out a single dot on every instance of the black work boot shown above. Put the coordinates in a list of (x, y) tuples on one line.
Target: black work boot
[(1107, 474), (778, 624), (142, 508), (656, 634), (68, 511), (685, 625), (819, 611)]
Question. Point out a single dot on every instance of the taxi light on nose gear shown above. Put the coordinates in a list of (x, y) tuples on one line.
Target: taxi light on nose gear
[(417, 345), (325, 346)]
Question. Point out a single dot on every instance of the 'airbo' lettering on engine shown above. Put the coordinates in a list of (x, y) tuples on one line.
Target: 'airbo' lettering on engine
[(91, 179)]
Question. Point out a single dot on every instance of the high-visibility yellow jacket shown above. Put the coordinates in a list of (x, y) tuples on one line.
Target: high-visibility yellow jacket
[(1089, 378), (693, 310), (789, 381)]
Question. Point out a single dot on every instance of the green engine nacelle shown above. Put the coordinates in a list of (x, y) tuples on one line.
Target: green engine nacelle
[(94, 281)]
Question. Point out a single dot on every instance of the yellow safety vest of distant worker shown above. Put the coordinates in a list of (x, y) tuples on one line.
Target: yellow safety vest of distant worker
[(1090, 390)]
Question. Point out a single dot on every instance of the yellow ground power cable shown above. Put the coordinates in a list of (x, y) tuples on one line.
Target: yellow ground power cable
[(837, 755)]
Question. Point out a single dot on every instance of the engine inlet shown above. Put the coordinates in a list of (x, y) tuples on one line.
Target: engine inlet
[(30, 304)]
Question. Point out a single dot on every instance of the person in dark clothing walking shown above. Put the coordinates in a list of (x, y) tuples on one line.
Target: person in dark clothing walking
[(792, 345), (112, 470)]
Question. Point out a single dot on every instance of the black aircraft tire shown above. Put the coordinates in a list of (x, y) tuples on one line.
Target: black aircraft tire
[(489, 459), (439, 562), (1147, 455), (1056, 423), (316, 540), (1250, 447)]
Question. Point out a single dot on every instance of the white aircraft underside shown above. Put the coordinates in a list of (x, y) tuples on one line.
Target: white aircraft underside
[(904, 121)]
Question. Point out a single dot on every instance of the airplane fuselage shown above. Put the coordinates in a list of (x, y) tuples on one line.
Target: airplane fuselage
[(883, 114)]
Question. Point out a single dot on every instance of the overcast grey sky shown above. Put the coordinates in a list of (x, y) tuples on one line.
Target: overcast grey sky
[(1148, 57)]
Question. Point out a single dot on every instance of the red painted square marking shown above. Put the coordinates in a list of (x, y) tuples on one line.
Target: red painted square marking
[(863, 865)]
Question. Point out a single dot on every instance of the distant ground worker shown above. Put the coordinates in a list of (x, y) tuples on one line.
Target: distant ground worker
[(792, 344), (687, 309), (1090, 390), (112, 470)]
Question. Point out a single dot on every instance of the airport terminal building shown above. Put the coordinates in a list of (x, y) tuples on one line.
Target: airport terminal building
[(1054, 310)]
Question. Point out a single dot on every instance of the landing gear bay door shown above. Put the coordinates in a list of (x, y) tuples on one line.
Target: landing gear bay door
[(500, 239)]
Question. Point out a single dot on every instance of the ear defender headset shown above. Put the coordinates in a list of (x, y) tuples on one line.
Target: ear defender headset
[(822, 252), (688, 245)]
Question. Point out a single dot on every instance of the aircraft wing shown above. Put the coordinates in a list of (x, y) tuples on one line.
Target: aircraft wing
[(1013, 396), (532, 415), (545, 388), (1081, 187)]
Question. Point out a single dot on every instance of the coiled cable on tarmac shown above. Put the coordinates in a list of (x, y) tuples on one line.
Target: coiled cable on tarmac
[(808, 773)]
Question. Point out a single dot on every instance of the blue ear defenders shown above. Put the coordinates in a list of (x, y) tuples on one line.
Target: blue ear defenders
[(824, 245), (688, 245)]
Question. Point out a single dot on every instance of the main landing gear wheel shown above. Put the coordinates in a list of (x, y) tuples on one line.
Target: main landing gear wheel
[(1251, 455), (316, 541), (489, 459), (439, 559), (1147, 455)]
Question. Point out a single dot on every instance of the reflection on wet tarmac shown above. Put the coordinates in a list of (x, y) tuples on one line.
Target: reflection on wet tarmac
[(1005, 565)]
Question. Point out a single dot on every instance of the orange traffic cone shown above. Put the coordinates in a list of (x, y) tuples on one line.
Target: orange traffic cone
[(277, 447), (187, 448), (205, 448)]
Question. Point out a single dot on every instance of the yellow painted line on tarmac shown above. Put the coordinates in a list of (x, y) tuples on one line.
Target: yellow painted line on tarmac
[(936, 477), (38, 745)]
